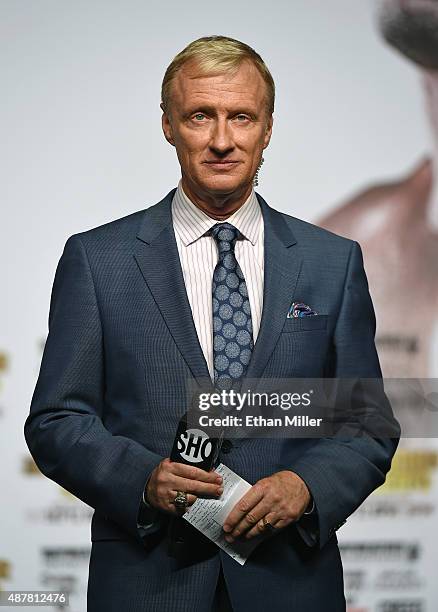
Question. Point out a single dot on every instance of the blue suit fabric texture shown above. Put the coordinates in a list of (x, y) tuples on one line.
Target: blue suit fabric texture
[(112, 387)]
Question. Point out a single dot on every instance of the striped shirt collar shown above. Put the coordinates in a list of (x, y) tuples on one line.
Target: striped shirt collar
[(191, 222)]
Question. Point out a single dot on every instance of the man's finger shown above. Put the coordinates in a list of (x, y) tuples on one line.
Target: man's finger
[(195, 487), (243, 506), (249, 521), (193, 473), (261, 529)]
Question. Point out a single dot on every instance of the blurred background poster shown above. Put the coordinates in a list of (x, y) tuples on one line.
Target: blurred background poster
[(389, 549), (354, 149)]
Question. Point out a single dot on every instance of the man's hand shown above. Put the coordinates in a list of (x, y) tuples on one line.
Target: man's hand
[(169, 477), (279, 499)]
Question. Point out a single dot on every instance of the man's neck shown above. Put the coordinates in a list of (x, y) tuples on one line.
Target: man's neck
[(217, 206), (430, 81)]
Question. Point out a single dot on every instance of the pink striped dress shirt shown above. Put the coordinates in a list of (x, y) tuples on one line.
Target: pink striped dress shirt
[(199, 255)]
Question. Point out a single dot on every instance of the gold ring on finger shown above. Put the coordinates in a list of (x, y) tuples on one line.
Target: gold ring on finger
[(266, 525), (180, 500)]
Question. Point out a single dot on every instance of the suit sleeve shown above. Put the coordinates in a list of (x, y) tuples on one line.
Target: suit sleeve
[(342, 470), (65, 429)]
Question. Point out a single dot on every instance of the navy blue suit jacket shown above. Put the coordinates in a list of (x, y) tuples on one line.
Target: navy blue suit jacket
[(112, 387)]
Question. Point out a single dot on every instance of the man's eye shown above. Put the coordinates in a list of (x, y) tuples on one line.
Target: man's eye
[(199, 116), (242, 117)]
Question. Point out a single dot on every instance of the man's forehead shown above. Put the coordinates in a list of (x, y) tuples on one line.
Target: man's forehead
[(246, 81), (190, 77)]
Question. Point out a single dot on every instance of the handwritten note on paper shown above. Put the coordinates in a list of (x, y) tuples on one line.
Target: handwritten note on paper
[(208, 515)]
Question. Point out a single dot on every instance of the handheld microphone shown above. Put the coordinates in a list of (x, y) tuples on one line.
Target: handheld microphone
[(200, 448)]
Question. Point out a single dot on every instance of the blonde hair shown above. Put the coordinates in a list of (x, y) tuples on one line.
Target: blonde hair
[(215, 55)]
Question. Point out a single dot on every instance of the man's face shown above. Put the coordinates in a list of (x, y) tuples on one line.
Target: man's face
[(219, 127)]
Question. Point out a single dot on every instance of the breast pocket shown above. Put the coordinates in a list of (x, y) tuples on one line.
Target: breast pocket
[(310, 323), (302, 348)]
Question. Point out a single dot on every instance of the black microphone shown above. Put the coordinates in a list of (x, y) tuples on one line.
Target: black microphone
[(200, 448)]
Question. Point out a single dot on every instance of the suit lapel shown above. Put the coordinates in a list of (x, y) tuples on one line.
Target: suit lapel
[(282, 268), (157, 256)]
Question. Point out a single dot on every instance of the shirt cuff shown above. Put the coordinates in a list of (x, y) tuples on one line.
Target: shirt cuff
[(312, 509), (307, 524), (147, 514)]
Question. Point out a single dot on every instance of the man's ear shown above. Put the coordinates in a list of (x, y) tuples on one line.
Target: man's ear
[(268, 132), (166, 125)]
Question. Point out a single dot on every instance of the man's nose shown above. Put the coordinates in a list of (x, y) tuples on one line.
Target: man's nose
[(221, 136)]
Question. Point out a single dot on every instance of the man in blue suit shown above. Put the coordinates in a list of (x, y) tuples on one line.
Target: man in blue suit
[(199, 286)]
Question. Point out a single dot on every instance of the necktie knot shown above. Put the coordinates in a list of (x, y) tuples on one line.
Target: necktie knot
[(225, 235)]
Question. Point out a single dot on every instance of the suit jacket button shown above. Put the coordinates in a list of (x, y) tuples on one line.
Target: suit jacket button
[(227, 446)]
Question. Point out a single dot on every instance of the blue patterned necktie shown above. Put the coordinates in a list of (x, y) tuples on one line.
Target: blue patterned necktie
[(232, 324)]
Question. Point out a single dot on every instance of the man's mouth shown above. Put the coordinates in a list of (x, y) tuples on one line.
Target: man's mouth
[(220, 162), (222, 165)]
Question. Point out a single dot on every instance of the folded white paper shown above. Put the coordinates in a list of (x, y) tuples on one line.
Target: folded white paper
[(208, 515)]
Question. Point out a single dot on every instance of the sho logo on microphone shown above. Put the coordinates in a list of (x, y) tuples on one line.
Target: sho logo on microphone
[(194, 445)]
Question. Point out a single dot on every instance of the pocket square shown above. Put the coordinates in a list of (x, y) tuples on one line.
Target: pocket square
[(298, 309)]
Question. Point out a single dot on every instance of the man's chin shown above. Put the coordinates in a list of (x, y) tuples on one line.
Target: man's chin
[(222, 185)]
